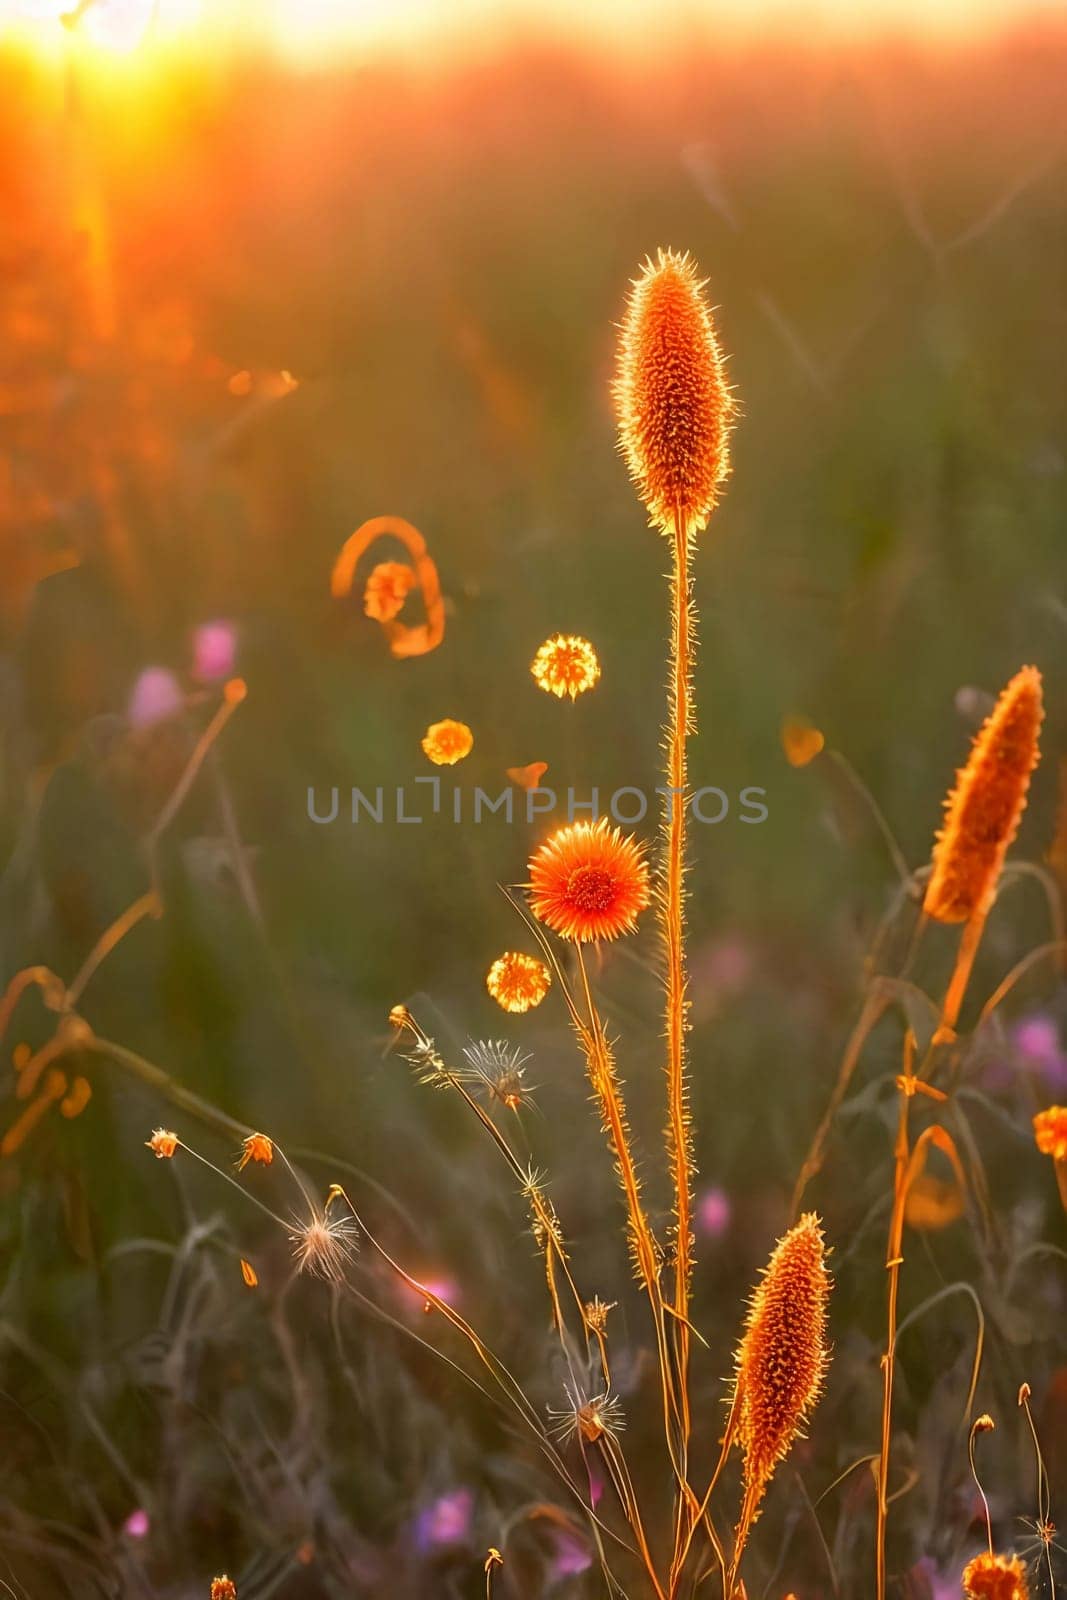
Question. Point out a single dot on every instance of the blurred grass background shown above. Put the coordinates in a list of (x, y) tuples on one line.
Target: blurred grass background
[(437, 259)]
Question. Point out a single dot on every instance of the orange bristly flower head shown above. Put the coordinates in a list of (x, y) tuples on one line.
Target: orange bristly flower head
[(1050, 1132), (518, 982), (223, 1588), (447, 742), (162, 1144), (565, 664), (387, 588), (983, 812), (257, 1147), (673, 402), (990, 1577), (783, 1354), (589, 882)]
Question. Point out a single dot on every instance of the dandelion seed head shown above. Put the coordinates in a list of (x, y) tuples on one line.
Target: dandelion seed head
[(1050, 1132), (783, 1354), (994, 1577), (162, 1144), (518, 982), (447, 742), (325, 1244), (500, 1068), (673, 403), (983, 811), (588, 1418), (588, 881), (565, 665), (387, 587)]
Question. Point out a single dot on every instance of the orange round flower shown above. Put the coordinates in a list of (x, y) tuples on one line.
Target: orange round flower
[(674, 404), (162, 1144), (589, 882), (257, 1147), (518, 982), (387, 588), (223, 1588), (565, 664), (983, 812), (447, 742), (990, 1577), (1050, 1132)]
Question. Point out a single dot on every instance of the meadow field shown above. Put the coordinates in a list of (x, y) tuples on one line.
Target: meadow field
[(244, 310)]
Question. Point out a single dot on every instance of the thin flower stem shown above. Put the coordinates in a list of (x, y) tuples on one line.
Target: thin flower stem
[(673, 921), (608, 1091), (147, 906)]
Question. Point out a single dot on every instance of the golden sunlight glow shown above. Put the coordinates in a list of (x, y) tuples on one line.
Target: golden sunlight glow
[(314, 32)]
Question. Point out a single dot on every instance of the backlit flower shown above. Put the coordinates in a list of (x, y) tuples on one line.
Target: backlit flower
[(983, 812), (447, 742), (518, 982), (783, 1356), (801, 741), (673, 402), (1050, 1132), (387, 588), (257, 1147), (588, 1419), (500, 1069), (565, 664), (223, 1588), (990, 1577), (162, 1144), (326, 1243), (589, 882)]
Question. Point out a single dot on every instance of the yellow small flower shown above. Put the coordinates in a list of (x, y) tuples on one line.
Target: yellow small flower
[(565, 664), (518, 982), (163, 1144), (447, 742), (249, 1273)]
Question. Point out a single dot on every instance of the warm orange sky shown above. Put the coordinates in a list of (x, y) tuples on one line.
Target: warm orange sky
[(316, 30)]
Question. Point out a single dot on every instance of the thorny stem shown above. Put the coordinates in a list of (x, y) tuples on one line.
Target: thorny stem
[(673, 921), (894, 1262)]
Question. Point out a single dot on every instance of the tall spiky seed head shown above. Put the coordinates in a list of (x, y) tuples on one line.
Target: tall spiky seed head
[(983, 812), (990, 1577), (783, 1354), (674, 405)]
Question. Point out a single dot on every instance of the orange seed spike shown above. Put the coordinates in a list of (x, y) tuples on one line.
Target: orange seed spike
[(983, 811), (674, 405)]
